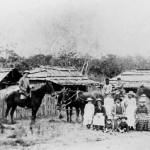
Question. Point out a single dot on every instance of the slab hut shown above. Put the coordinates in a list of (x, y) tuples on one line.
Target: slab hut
[(61, 77), (133, 79)]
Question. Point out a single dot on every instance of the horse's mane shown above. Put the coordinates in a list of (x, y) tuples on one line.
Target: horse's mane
[(38, 90), (146, 87)]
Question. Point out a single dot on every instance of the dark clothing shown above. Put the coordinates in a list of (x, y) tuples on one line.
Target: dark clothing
[(142, 120), (100, 110), (141, 109), (118, 110), (108, 126), (123, 125)]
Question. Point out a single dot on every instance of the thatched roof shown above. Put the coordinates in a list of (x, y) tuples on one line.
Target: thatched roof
[(62, 76), (133, 78)]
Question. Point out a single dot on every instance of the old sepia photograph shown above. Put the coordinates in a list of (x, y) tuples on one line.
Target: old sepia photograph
[(74, 74)]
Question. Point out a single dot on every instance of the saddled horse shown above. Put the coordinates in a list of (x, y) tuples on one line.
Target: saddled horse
[(77, 99), (13, 100)]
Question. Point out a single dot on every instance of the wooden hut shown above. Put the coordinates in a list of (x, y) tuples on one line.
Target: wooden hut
[(133, 79), (9, 76), (61, 77)]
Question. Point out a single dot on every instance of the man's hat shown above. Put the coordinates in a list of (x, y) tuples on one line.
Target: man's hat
[(26, 71), (118, 78), (89, 99), (118, 98), (123, 117)]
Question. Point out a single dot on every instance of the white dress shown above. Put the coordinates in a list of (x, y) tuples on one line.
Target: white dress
[(88, 114), (130, 110), (108, 103), (99, 119)]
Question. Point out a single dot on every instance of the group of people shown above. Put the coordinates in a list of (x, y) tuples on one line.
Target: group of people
[(120, 114)]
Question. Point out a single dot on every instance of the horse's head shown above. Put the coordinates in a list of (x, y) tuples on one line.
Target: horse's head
[(66, 95), (140, 91), (49, 88)]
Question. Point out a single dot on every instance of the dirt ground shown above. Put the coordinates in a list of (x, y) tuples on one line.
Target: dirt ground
[(56, 134)]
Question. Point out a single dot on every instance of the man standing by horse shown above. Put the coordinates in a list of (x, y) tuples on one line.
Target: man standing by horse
[(24, 86)]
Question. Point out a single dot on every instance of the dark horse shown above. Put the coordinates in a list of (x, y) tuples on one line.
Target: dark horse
[(13, 100), (77, 99), (69, 99), (143, 90)]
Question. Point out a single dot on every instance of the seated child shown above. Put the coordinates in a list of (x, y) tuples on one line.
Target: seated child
[(123, 126), (108, 125)]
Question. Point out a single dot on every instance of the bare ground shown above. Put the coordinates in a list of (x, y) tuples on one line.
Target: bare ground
[(52, 133)]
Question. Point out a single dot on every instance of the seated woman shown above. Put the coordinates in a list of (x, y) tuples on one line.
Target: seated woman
[(118, 111), (141, 115), (99, 115)]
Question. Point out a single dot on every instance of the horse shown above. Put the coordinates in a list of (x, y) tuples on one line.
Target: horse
[(143, 90), (13, 100), (70, 100), (77, 99), (93, 94)]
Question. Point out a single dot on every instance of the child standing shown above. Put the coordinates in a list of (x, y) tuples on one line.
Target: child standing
[(88, 113)]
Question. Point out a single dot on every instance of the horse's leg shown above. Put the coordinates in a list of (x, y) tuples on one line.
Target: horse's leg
[(67, 112), (82, 113), (70, 114), (77, 114), (34, 111), (7, 111), (12, 113)]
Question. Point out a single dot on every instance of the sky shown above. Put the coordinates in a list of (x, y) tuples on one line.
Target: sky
[(96, 27)]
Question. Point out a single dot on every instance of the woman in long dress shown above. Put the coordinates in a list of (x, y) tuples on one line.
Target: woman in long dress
[(141, 115), (100, 115), (130, 105)]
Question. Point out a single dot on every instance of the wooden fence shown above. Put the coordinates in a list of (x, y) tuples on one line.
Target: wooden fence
[(47, 108)]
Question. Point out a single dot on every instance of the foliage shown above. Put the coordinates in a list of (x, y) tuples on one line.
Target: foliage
[(107, 66)]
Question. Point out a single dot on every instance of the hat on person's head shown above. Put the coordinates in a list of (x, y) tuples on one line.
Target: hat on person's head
[(142, 98), (143, 95), (118, 78), (26, 71), (109, 119), (118, 98), (131, 93), (89, 99), (123, 117), (98, 99)]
